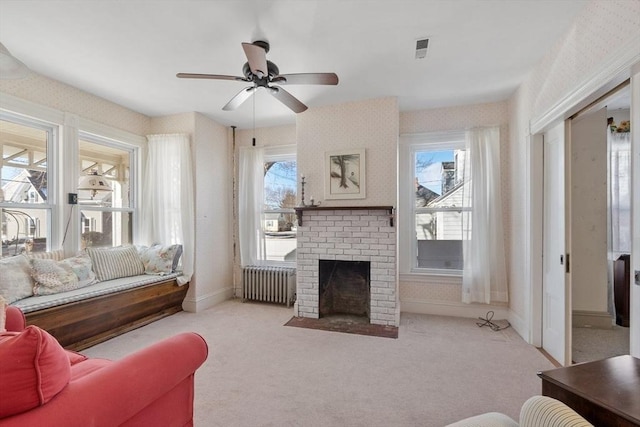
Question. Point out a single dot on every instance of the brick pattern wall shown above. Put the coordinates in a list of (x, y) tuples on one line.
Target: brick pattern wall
[(346, 235)]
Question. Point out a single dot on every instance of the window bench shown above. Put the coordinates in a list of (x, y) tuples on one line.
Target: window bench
[(87, 316)]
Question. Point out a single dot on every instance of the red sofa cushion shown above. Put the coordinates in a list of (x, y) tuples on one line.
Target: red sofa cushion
[(33, 369)]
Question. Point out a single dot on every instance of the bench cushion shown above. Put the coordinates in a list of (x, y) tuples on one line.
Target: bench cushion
[(35, 303)]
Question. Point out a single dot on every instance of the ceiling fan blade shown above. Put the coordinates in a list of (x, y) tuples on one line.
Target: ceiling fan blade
[(306, 79), (287, 99), (209, 76), (257, 58), (237, 100)]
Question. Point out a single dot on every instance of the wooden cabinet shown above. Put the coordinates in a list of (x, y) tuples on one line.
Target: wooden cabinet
[(622, 289)]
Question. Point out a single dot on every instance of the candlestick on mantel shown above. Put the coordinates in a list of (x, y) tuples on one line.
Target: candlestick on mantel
[(302, 200)]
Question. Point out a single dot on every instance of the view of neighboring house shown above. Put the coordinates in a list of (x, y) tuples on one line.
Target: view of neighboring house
[(441, 223)]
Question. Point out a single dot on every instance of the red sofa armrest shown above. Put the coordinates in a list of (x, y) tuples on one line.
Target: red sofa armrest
[(15, 321), (119, 391)]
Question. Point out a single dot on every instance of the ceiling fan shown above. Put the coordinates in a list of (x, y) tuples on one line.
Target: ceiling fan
[(263, 73)]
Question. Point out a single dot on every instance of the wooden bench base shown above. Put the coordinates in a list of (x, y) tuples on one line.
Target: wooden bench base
[(81, 324)]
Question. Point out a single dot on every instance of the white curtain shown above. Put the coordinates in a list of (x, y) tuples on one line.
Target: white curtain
[(620, 202), (250, 201), (484, 278), (168, 202)]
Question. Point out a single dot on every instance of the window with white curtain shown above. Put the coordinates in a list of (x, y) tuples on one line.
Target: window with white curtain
[(266, 200), (279, 222), (435, 203)]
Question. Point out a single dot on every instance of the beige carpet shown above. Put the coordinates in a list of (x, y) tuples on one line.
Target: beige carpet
[(261, 373), (594, 344)]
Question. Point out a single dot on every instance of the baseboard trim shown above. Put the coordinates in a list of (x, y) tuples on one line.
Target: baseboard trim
[(197, 304), (591, 319), (522, 328), (450, 308)]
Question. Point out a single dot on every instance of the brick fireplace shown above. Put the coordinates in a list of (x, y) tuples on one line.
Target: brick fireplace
[(365, 236)]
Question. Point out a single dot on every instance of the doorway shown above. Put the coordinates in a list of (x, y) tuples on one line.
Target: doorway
[(591, 202), (600, 206)]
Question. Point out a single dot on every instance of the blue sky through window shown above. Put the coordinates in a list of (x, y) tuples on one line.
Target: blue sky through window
[(428, 168), (279, 180)]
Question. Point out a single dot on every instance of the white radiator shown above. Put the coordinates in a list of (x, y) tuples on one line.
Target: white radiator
[(268, 284)]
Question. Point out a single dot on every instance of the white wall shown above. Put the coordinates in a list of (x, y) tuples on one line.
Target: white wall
[(54, 94), (212, 281), (589, 214), (370, 124)]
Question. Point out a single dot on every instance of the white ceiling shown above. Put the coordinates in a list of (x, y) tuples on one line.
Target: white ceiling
[(130, 51)]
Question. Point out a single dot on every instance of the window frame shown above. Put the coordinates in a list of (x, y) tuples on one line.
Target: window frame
[(133, 182), (277, 154), (410, 145), (52, 214)]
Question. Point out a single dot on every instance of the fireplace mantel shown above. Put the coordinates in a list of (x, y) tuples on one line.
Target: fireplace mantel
[(301, 209)]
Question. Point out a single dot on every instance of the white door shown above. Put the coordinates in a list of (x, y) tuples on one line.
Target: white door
[(556, 332)]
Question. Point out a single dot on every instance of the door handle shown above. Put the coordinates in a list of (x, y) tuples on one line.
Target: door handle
[(637, 277), (561, 259)]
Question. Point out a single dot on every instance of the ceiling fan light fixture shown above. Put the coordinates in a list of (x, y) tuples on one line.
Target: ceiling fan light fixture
[(262, 73), (10, 66)]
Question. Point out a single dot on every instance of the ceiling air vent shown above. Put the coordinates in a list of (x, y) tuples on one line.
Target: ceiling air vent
[(421, 48)]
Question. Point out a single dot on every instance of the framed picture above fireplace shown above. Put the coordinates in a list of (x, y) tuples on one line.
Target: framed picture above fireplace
[(345, 176)]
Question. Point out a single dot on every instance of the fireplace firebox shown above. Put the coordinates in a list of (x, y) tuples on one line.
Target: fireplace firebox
[(344, 288)]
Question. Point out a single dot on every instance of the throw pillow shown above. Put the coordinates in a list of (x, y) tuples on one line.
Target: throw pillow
[(16, 280), (52, 277), (115, 262), (57, 255), (34, 369), (159, 259), (83, 269)]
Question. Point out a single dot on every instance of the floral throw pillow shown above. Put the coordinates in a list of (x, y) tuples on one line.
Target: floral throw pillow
[(159, 259), (52, 277), (82, 268)]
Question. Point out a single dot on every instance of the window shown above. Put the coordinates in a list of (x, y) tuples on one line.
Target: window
[(436, 203), (25, 206), (279, 221), (38, 169), (106, 212)]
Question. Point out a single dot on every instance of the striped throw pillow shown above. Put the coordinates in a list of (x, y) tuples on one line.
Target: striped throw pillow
[(115, 262)]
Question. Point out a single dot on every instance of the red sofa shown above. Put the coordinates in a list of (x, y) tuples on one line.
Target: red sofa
[(151, 387)]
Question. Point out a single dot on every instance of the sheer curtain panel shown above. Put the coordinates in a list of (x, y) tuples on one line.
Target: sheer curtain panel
[(168, 202), (484, 278), (250, 201), (620, 192)]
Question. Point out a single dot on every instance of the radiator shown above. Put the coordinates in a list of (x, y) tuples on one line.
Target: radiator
[(268, 284)]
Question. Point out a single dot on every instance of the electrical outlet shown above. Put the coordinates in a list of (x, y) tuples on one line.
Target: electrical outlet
[(73, 198)]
